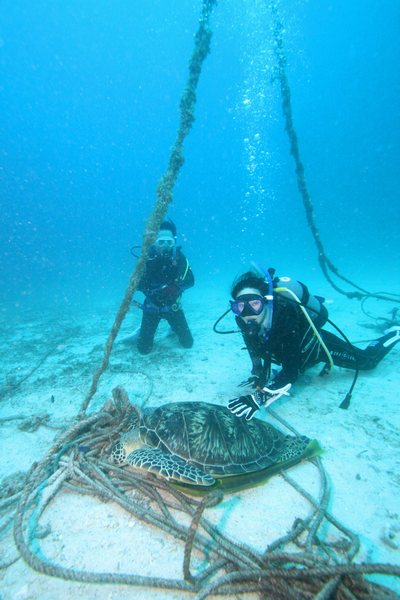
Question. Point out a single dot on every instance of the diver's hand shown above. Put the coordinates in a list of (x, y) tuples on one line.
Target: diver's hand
[(245, 406), (253, 381), (267, 396), (172, 290)]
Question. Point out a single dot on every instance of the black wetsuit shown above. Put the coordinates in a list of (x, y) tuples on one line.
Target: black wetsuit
[(163, 282), (292, 344)]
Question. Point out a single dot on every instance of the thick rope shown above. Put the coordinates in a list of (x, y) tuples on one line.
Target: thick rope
[(97, 481), (229, 567), (324, 261), (165, 187)]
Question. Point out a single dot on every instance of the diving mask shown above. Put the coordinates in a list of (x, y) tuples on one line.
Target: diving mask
[(164, 245), (248, 305)]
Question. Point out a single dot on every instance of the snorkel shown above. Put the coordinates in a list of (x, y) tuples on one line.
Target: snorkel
[(267, 322)]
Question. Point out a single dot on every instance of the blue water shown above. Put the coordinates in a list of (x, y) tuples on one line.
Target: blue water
[(89, 110)]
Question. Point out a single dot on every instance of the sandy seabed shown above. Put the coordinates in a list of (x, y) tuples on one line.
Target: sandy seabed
[(48, 360)]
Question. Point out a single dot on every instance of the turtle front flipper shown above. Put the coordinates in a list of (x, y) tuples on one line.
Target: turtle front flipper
[(168, 466)]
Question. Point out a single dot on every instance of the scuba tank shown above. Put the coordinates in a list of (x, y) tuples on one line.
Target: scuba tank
[(287, 288), (314, 305)]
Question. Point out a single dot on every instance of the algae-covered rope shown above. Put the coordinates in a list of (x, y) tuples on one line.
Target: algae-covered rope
[(354, 541), (231, 567), (44, 566), (165, 187), (325, 263), (322, 507), (206, 502), (107, 492), (41, 482), (285, 576)]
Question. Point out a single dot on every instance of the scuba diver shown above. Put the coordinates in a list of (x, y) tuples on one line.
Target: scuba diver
[(167, 275), (281, 323)]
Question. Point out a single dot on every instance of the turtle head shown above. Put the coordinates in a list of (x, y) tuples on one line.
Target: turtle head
[(129, 441), (118, 454)]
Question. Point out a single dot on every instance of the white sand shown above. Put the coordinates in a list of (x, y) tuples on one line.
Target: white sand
[(361, 445)]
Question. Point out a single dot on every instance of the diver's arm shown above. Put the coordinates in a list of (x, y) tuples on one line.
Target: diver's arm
[(290, 342), (284, 377), (259, 368)]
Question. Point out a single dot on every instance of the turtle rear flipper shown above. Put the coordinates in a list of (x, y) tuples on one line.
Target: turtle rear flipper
[(168, 466)]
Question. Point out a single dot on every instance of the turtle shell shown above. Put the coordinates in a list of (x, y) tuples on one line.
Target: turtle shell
[(213, 439)]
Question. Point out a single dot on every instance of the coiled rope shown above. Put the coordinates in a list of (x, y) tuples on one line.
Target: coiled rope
[(302, 564)]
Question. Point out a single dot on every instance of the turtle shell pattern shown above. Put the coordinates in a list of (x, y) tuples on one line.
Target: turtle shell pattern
[(213, 439)]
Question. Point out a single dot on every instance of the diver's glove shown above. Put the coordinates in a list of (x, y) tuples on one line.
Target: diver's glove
[(246, 406), (269, 396)]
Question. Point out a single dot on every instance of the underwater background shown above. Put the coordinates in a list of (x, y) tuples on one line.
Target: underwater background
[(89, 110)]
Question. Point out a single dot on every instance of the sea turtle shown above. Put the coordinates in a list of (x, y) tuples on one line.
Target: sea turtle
[(199, 445)]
